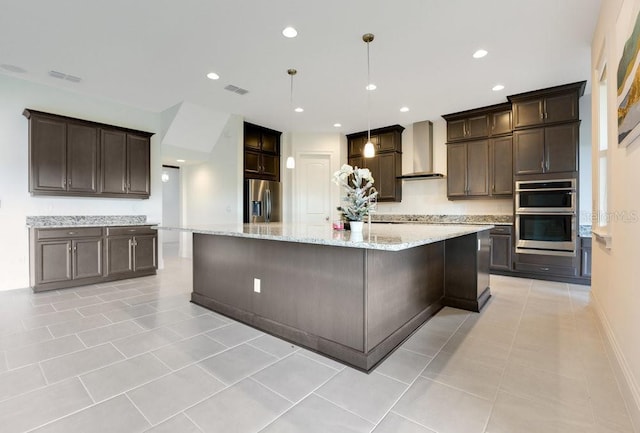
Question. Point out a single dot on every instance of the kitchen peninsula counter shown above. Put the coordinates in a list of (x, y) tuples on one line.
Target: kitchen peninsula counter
[(378, 236), (353, 300)]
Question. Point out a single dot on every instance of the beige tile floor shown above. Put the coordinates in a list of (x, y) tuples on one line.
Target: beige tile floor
[(135, 356)]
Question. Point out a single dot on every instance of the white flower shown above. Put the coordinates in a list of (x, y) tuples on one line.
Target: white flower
[(365, 173), (361, 196)]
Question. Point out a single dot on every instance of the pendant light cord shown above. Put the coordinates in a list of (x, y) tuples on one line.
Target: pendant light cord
[(368, 95)]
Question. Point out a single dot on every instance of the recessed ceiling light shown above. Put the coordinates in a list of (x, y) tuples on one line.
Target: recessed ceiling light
[(180, 160), (213, 76), (480, 54), (337, 125), (371, 87), (299, 110), (497, 87), (404, 109), (290, 32)]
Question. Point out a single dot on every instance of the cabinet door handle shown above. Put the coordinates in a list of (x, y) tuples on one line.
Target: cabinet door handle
[(541, 115), (69, 182), (542, 165), (75, 248), (544, 269)]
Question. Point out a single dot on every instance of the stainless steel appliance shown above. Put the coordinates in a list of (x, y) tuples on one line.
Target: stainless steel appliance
[(263, 202), (546, 217)]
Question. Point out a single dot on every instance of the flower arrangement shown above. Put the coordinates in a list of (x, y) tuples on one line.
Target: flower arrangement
[(361, 195)]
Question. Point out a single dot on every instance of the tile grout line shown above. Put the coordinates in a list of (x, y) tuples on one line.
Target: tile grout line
[(137, 408), (513, 339), (312, 392), (376, 424)]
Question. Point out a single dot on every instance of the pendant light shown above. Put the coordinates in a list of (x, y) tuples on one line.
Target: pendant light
[(369, 149), (291, 162)]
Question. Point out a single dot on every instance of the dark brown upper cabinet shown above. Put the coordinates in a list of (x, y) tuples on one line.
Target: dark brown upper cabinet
[(81, 158), (547, 106), (261, 152), (468, 128), (261, 139), (125, 164), (553, 149), (63, 156), (479, 123), (386, 165), (479, 167), (501, 166), (501, 122), (468, 169)]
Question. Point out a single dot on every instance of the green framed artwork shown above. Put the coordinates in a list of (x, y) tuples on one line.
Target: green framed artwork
[(628, 28)]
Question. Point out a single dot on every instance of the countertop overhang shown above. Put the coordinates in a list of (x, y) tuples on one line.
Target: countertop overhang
[(379, 236)]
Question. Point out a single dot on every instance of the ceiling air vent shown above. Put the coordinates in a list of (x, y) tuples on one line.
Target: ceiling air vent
[(13, 68), (236, 89), (62, 76)]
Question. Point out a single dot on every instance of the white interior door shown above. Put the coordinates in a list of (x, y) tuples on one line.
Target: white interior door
[(312, 191)]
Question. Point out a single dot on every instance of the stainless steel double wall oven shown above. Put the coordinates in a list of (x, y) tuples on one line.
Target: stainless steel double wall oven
[(545, 217)]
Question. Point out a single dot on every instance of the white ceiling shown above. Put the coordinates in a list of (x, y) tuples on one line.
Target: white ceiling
[(154, 54)]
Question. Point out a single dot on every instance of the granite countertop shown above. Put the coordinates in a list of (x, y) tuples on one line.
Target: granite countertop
[(444, 219), (86, 221), (387, 237)]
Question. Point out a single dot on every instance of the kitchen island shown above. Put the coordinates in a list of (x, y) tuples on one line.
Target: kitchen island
[(353, 299)]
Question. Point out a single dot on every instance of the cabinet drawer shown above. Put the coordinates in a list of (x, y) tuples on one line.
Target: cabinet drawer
[(130, 230), (568, 271), (501, 230), (69, 232)]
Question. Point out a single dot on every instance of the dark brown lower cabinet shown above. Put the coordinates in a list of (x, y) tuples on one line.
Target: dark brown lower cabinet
[(501, 247), (131, 251), (69, 257)]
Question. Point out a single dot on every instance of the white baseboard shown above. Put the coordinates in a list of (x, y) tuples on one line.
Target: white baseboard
[(626, 381)]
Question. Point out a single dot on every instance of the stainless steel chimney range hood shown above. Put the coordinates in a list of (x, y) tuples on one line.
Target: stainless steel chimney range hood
[(422, 153)]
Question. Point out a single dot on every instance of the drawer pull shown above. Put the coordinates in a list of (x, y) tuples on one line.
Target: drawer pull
[(132, 230), (544, 269), (71, 233)]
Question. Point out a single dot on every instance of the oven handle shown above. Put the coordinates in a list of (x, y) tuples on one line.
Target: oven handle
[(571, 190), (554, 212)]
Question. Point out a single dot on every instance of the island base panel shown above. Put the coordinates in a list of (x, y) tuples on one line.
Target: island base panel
[(321, 297), (362, 361), (466, 271)]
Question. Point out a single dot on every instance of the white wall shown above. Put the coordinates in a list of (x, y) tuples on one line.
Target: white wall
[(212, 191), (616, 275), (584, 163), (171, 203), (16, 202)]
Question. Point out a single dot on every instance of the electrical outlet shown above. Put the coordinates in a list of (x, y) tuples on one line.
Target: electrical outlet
[(256, 285)]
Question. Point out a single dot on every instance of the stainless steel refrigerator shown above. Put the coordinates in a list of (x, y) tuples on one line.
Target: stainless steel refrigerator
[(262, 201)]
